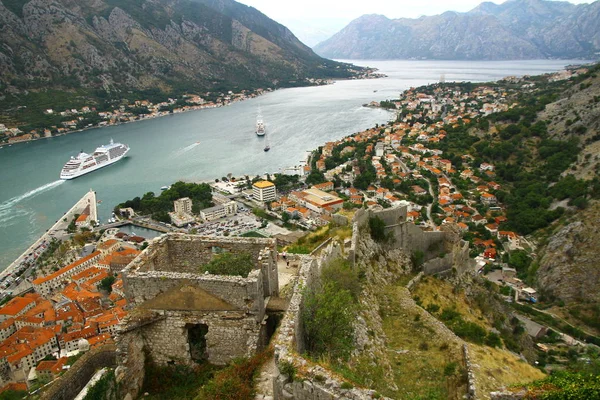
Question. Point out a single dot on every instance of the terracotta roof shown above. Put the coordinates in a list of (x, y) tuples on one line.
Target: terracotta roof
[(16, 305), (106, 245), (61, 271)]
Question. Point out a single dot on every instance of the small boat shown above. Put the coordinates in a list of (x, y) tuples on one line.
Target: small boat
[(164, 188), (267, 148)]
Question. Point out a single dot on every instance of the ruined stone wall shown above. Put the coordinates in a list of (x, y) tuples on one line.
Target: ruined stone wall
[(67, 386), (230, 335), (411, 238), (244, 293), (185, 253), (437, 265)]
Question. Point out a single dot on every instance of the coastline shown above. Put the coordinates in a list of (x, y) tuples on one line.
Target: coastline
[(370, 73), (150, 116)]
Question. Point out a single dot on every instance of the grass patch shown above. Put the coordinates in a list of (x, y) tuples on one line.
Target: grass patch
[(420, 359), (308, 243), (494, 368)]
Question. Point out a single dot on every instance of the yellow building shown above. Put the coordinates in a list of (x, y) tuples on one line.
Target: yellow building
[(264, 191)]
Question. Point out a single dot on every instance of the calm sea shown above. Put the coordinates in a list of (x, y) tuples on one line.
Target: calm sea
[(209, 144)]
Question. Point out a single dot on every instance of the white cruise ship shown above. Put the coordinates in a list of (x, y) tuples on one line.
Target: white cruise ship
[(85, 163), (260, 126)]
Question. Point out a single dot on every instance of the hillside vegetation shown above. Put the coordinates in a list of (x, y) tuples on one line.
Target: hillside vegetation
[(68, 54)]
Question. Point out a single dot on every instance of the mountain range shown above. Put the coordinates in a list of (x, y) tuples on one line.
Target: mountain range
[(111, 48), (516, 29)]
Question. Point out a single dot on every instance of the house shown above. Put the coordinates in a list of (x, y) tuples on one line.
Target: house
[(48, 370), (16, 307), (486, 167), (490, 253), (488, 199), (418, 190), (325, 186), (412, 216)]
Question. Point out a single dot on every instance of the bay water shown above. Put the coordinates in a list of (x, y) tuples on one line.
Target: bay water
[(209, 144)]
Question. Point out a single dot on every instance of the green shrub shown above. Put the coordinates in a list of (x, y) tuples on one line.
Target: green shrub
[(236, 382), (230, 264), (377, 229), (287, 368), (450, 368)]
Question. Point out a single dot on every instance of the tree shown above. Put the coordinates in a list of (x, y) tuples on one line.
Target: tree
[(377, 228), (106, 284)]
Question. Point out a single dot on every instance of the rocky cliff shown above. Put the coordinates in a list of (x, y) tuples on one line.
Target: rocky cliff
[(569, 266), (519, 29), (108, 48)]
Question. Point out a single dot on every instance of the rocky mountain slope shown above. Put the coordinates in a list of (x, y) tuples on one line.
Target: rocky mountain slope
[(519, 29), (569, 267), (108, 48)]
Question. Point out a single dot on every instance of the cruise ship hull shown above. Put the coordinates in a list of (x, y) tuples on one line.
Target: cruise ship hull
[(91, 169)]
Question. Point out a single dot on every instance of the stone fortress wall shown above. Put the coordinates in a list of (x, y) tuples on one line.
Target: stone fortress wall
[(183, 316), (289, 342), (442, 250), (67, 386)]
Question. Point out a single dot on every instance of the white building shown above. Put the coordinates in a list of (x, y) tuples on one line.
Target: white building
[(264, 191), (183, 206), (220, 211)]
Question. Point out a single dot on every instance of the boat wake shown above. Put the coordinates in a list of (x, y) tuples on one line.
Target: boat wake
[(7, 207), (186, 149)]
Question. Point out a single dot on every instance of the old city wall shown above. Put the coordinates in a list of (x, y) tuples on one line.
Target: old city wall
[(67, 386), (442, 250)]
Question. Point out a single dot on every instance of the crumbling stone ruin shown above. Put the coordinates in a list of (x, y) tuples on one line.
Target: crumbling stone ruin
[(442, 250), (183, 316)]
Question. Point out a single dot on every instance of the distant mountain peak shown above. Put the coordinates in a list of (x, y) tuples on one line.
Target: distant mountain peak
[(515, 29)]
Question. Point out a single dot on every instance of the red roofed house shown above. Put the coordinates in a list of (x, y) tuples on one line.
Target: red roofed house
[(48, 370), (488, 199), (26, 347), (47, 284), (82, 220), (16, 307), (325, 186)]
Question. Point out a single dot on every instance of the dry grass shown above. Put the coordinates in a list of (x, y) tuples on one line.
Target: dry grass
[(434, 291), (418, 353), (494, 368)]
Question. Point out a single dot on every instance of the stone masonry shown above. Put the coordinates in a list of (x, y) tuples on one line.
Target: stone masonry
[(182, 316)]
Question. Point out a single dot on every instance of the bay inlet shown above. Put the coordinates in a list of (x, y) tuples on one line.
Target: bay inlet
[(211, 143)]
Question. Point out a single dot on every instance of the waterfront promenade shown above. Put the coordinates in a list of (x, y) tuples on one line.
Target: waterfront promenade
[(88, 199)]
